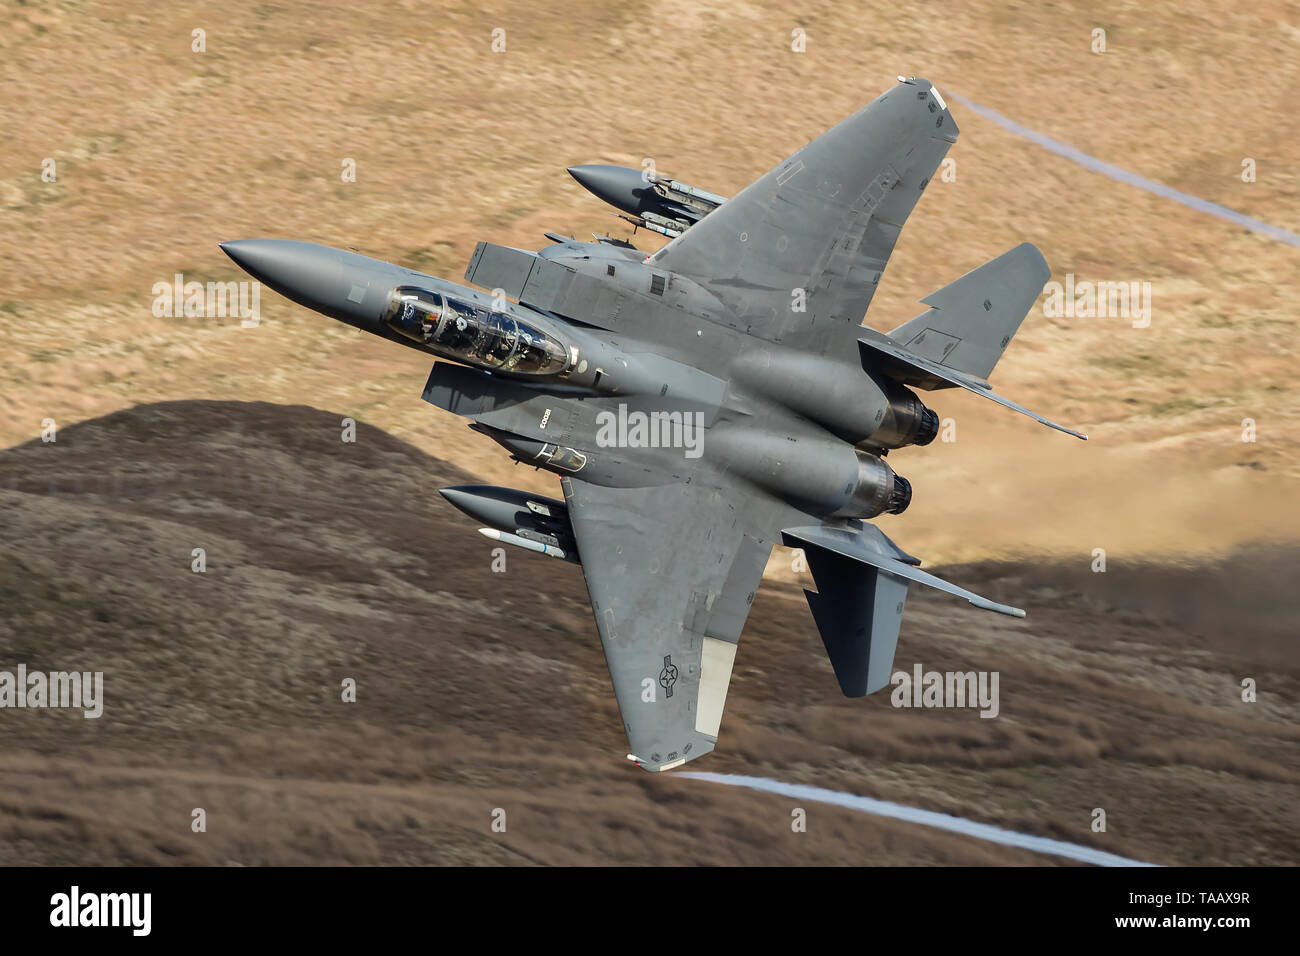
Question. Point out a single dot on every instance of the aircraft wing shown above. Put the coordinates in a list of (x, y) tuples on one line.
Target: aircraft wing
[(672, 575), (825, 222)]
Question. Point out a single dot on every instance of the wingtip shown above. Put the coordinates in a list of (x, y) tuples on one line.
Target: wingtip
[(988, 605), (1062, 428)]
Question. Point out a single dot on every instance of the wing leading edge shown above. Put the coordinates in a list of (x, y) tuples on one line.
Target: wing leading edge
[(824, 222)]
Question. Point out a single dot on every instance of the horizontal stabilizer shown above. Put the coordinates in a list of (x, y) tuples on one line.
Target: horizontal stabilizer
[(862, 579), (869, 545), (893, 361)]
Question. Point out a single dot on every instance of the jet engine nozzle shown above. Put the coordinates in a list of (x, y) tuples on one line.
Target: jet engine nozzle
[(906, 420), (929, 427), (880, 490), (901, 496)]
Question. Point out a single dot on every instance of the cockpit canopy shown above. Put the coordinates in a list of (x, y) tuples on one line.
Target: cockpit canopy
[(468, 333)]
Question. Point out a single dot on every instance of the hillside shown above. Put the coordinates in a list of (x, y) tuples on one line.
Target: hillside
[(475, 691)]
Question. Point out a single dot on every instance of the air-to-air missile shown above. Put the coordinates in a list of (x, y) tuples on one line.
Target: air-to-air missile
[(609, 367), (651, 201)]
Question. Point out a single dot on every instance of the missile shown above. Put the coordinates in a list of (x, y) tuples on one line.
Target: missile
[(653, 202), (547, 549), (525, 520)]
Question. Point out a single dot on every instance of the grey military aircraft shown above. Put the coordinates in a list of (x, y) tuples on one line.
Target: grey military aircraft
[(705, 401)]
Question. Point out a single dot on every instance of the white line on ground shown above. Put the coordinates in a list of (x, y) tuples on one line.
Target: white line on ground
[(928, 818), (1133, 179)]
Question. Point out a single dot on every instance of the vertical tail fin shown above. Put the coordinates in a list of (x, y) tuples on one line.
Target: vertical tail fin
[(971, 320)]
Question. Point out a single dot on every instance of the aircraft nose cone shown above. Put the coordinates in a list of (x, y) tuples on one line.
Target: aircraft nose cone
[(251, 255), (277, 262), (343, 285)]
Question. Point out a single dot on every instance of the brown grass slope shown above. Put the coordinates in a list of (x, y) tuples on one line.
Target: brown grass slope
[(478, 691)]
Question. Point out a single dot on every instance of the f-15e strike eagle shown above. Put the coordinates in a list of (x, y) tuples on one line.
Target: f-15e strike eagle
[(705, 401)]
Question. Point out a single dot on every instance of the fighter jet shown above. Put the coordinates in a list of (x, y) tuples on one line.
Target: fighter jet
[(705, 401)]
